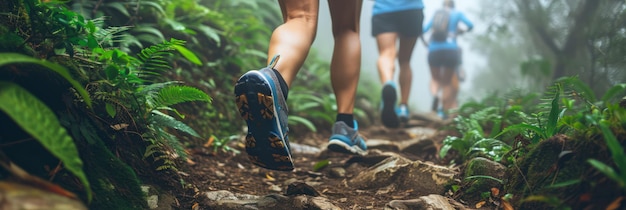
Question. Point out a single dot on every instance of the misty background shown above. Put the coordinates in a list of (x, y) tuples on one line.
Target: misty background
[(420, 99)]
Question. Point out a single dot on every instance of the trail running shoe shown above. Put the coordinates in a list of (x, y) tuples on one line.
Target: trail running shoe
[(262, 105), (346, 139), (435, 105), (403, 113), (388, 114)]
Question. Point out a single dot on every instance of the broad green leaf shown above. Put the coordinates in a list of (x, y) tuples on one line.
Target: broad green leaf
[(613, 91), (320, 165), (188, 54), (303, 121), (10, 58), (617, 151), (565, 183), (110, 110), (553, 116), (39, 121), (119, 6), (163, 120), (484, 177), (210, 33), (522, 127), (605, 169)]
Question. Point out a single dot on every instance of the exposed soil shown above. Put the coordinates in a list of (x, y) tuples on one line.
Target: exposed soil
[(234, 173)]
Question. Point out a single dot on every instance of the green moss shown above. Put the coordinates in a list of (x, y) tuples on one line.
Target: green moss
[(477, 186)]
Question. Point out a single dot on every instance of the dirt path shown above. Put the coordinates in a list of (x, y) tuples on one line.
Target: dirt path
[(234, 173)]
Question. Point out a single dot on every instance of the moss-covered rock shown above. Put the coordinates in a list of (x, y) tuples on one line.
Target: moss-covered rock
[(478, 169), (555, 173)]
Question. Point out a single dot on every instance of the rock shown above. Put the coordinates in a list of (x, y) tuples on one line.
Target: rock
[(430, 202), (381, 174), (481, 167), (16, 196), (424, 148), (301, 188), (322, 204), (418, 176), (426, 178), (381, 144), (337, 172), (303, 149), (227, 195), (224, 200), (158, 199), (420, 132), (374, 157)]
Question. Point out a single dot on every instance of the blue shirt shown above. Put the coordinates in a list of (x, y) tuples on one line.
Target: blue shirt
[(385, 6), (453, 22)]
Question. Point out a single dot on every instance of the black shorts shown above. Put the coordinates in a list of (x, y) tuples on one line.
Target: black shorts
[(449, 58), (407, 23)]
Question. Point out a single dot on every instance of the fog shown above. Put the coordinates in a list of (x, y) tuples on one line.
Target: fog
[(421, 98)]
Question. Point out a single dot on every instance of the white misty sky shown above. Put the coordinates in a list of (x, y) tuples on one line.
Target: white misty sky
[(420, 99)]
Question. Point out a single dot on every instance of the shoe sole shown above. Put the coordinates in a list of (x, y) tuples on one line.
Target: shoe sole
[(389, 117), (264, 143), (337, 145)]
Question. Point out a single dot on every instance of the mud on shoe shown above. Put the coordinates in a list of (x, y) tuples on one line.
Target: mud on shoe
[(388, 115), (345, 139), (262, 105)]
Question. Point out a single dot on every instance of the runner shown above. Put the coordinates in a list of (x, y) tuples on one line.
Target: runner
[(444, 57), (261, 95), (396, 22)]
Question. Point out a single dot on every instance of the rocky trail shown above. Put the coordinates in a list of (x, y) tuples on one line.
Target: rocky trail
[(401, 171)]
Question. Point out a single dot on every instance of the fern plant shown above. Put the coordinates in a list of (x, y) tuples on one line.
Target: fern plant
[(135, 80)]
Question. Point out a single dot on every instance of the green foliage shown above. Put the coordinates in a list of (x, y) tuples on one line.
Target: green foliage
[(12, 58), (617, 151), (134, 82), (39, 121)]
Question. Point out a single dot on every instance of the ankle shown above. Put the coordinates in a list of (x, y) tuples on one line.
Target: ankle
[(348, 119)]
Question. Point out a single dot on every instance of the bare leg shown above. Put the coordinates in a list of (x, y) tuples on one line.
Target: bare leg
[(449, 90), (406, 74), (345, 66), (387, 55), (434, 80), (293, 39)]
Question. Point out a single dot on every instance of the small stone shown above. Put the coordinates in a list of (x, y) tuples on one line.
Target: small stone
[(337, 172)]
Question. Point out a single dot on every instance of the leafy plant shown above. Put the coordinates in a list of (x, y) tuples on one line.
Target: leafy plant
[(38, 120), (135, 80), (617, 153)]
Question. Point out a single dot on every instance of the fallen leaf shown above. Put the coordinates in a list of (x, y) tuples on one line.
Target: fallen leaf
[(480, 204), (190, 162), (269, 177), (615, 204), (506, 205), (195, 206), (120, 126), (585, 197), (495, 191), (209, 142)]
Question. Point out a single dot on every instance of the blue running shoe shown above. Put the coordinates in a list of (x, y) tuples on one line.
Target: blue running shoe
[(346, 140), (388, 114), (403, 113), (261, 103)]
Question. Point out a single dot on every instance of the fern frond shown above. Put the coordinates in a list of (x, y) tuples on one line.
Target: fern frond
[(171, 95), (162, 120)]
